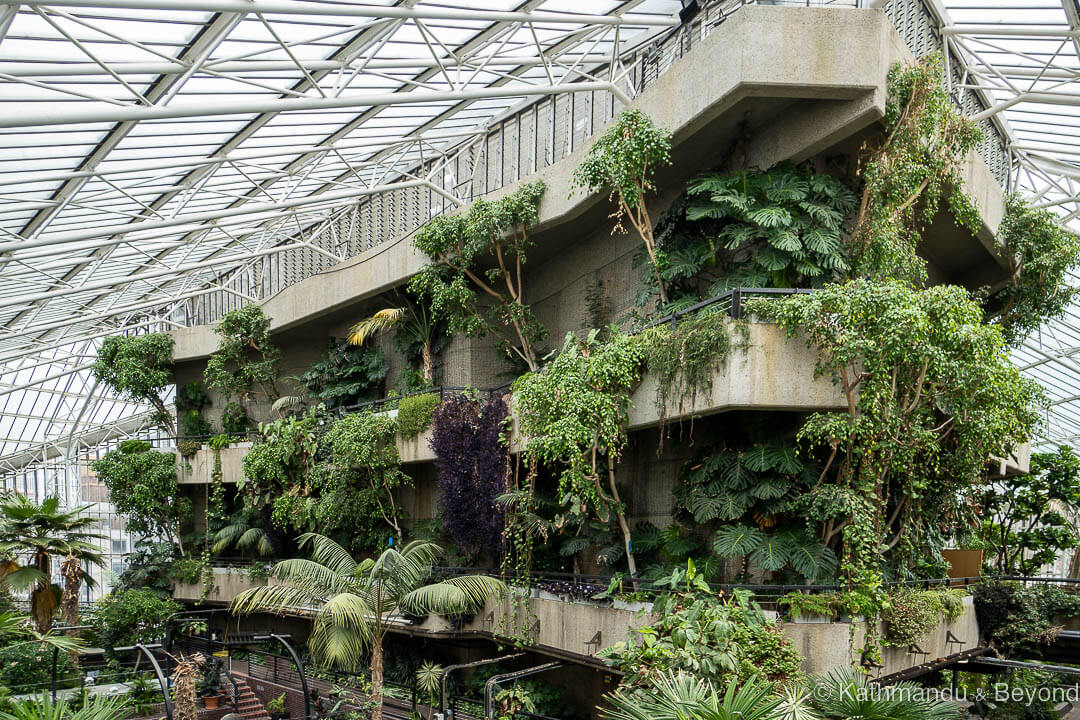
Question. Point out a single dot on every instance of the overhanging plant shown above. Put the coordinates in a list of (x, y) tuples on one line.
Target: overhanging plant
[(246, 356), (138, 368), (623, 161), (469, 298)]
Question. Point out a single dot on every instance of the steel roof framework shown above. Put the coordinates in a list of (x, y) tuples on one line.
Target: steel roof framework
[(150, 150)]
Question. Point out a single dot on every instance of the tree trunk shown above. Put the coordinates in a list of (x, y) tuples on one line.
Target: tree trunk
[(623, 525), (72, 572), (42, 599), (376, 678), (429, 363)]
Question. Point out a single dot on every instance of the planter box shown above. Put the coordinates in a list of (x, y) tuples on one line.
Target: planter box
[(964, 563), (631, 605), (809, 619)]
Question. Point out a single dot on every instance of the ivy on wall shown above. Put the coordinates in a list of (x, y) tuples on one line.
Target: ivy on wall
[(474, 300), (138, 368)]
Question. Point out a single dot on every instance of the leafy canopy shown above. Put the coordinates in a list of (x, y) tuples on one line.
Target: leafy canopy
[(143, 486), (469, 298), (245, 357), (139, 368), (346, 374)]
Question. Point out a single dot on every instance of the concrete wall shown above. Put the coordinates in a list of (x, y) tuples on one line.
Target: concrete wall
[(228, 583)]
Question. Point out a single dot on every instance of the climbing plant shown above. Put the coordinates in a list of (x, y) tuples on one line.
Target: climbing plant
[(906, 176), (469, 298), (573, 417), (246, 357), (930, 396), (191, 400), (139, 368), (142, 485), (473, 463), (623, 161), (365, 443), (346, 374), (1040, 253)]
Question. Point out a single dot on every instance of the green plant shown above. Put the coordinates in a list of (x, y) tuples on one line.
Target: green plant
[(931, 396), (512, 701), (133, 616), (193, 424), (188, 448), (245, 532), (26, 667), (276, 467), (139, 368), (777, 228), (1025, 517), (907, 175), (142, 485), (245, 357), (470, 299), (573, 416), (365, 443), (96, 707), (909, 616), (276, 705), (800, 604), (149, 566), (142, 694), (1040, 253), (1016, 618), (346, 374), (623, 161), (357, 601), (418, 334), (415, 413), (846, 693), (35, 533), (429, 680), (235, 419)]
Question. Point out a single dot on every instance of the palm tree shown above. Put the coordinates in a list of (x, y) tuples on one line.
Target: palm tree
[(40, 532), (413, 321), (681, 696), (356, 603), (96, 707), (245, 532), (847, 693)]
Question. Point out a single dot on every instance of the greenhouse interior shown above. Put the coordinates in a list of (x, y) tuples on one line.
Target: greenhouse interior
[(539, 360)]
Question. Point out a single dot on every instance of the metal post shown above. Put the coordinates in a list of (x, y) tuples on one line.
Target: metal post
[(452, 668), (299, 671), (489, 686)]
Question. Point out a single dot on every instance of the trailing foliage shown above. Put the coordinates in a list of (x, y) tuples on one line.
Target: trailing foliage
[(473, 300), (149, 566), (473, 465), (573, 418), (1040, 253), (415, 414), (235, 419), (777, 228), (623, 161), (191, 400), (138, 368), (913, 614), (276, 467), (1025, 517), (908, 174), (931, 396), (1016, 618), (347, 374), (142, 486), (246, 357), (365, 443), (122, 619), (684, 356), (705, 635)]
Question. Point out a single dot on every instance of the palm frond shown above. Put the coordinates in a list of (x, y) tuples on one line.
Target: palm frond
[(380, 321)]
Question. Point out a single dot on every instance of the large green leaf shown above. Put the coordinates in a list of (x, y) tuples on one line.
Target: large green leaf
[(737, 540), (773, 553)]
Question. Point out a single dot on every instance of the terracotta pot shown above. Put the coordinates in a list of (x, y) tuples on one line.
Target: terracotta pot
[(964, 563), (211, 702)]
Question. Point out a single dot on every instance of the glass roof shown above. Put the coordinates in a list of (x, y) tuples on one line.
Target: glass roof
[(149, 148)]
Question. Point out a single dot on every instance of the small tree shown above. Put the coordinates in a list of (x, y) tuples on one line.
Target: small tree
[(138, 368), (1024, 516), (245, 357), (416, 329), (469, 298), (142, 485), (357, 602), (623, 161)]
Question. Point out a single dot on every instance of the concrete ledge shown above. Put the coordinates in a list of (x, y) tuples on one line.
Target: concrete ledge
[(198, 469), (228, 583), (838, 68)]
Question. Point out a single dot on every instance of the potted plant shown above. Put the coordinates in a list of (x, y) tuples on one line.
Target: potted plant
[(809, 608), (210, 686), (276, 708)]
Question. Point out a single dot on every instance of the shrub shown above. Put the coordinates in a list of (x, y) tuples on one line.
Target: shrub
[(415, 413), (138, 368), (142, 485), (130, 617), (26, 667), (1014, 617), (910, 616), (234, 419)]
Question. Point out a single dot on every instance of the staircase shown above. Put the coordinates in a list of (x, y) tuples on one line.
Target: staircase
[(248, 704)]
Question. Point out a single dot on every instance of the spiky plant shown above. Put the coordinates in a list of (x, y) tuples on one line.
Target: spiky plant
[(847, 693), (245, 532), (96, 707), (35, 533), (354, 603), (415, 325), (681, 696)]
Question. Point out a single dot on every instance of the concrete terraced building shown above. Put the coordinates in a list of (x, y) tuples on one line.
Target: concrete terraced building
[(164, 162)]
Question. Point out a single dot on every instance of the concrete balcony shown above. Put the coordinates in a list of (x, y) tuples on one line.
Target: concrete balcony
[(228, 583)]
